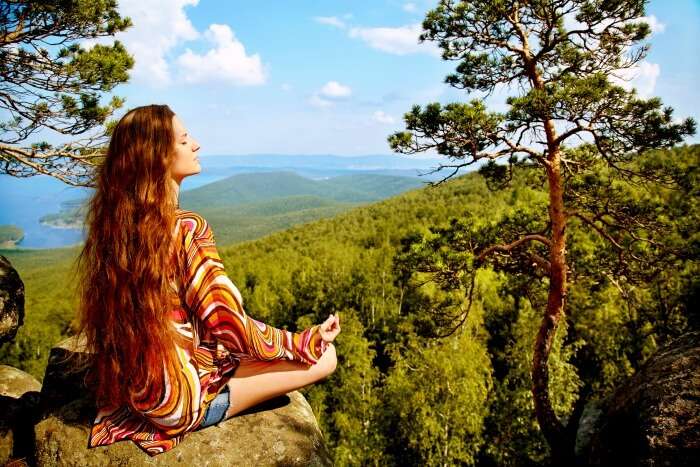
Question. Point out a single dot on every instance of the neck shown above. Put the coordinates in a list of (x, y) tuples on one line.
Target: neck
[(176, 190)]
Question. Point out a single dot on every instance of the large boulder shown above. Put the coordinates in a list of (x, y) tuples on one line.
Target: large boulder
[(653, 418), (19, 397), (282, 431), (11, 301)]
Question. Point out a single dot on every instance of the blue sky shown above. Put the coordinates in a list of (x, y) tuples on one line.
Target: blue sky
[(331, 77)]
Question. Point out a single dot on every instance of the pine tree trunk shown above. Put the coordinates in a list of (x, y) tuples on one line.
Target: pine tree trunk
[(560, 442)]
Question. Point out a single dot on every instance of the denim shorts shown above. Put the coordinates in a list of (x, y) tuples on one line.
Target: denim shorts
[(216, 411)]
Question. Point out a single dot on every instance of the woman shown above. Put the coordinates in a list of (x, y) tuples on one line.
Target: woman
[(173, 349)]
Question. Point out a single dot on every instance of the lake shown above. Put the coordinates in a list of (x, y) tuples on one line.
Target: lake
[(23, 201)]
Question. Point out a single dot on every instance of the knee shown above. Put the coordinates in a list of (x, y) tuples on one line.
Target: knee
[(327, 363)]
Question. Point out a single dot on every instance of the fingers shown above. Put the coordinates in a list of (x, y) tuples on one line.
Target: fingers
[(331, 325), (335, 318), (328, 323)]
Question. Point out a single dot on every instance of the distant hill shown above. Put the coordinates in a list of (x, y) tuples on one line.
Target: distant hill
[(326, 161), (247, 206), (376, 186), (70, 217), (250, 221), (320, 173), (254, 187), (45, 208)]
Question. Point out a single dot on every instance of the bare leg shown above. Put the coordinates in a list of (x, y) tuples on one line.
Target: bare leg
[(257, 381)]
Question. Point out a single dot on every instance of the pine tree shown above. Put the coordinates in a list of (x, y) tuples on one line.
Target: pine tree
[(50, 81), (571, 122)]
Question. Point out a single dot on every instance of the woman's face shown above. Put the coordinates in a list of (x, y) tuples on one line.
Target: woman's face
[(186, 161)]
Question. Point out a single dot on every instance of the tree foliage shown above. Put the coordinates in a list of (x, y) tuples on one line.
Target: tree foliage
[(571, 127), (51, 81), (352, 264)]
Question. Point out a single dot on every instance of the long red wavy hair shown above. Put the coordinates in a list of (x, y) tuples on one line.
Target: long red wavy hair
[(126, 265)]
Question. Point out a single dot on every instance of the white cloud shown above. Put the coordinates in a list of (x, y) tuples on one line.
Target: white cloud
[(656, 26), (401, 40), (286, 87), (644, 74), (319, 102), (158, 27), (330, 20), (334, 89), (381, 117), (227, 61), (641, 77), (430, 93), (330, 92)]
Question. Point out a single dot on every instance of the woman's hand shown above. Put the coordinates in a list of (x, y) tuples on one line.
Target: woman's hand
[(330, 328)]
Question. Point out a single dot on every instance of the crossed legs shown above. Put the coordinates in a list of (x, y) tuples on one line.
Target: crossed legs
[(257, 381)]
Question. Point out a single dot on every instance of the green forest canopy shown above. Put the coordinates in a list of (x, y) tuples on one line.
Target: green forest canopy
[(399, 396)]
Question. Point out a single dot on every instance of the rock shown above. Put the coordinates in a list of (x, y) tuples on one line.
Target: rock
[(16, 383), (11, 301), (652, 419), (19, 398), (62, 382), (588, 424), (282, 431)]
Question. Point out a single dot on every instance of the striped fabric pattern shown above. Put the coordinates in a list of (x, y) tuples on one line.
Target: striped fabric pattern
[(216, 335)]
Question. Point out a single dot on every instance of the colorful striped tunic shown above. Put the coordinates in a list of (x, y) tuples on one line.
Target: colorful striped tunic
[(219, 334)]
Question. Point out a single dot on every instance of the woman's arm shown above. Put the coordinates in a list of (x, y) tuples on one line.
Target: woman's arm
[(214, 299)]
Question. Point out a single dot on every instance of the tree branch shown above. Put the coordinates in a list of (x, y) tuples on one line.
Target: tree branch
[(509, 246)]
